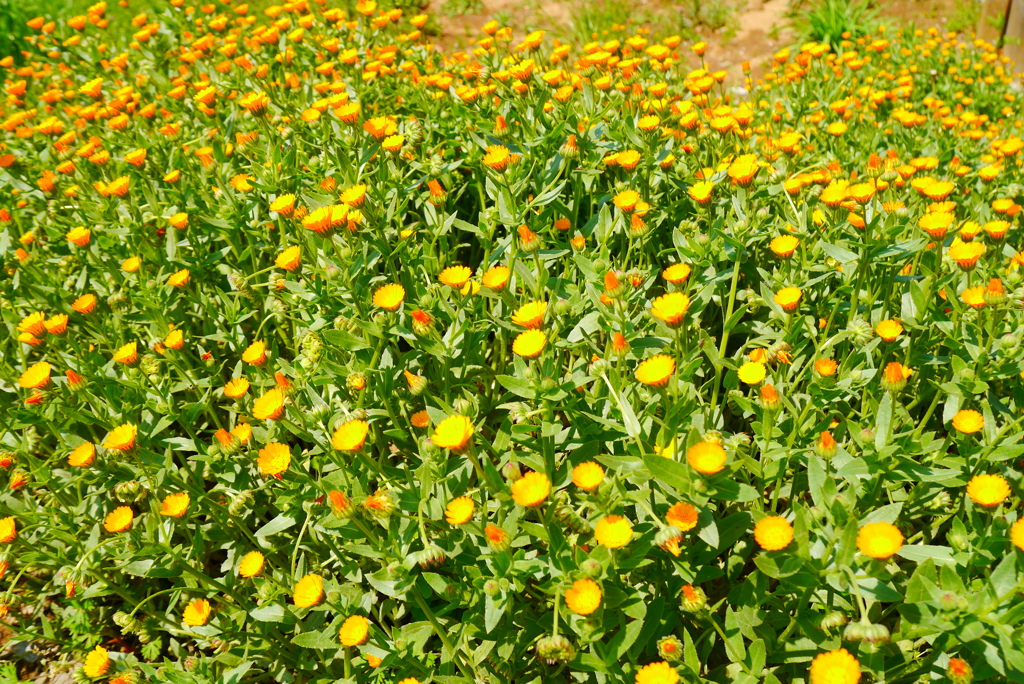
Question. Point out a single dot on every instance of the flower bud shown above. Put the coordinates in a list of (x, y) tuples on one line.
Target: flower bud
[(119, 301), (670, 648), (239, 503), (950, 601), (957, 540), (492, 588), (860, 332), (555, 649), (693, 599), (129, 492), (959, 672), (833, 620), (356, 382), (511, 471), (592, 568)]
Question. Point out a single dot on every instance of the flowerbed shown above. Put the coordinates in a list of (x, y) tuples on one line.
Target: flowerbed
[(335, 358)]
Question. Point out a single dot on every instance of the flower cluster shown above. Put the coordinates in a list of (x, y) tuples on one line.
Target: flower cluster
[(333, 356)]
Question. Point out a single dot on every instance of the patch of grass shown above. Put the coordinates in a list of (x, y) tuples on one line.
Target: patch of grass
[(965, 16), (454, 8), (830, 21)]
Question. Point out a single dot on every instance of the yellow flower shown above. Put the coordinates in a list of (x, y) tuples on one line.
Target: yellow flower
[(773, 533), (657, 673), (584, 597), (968, 422), (530, 315), (497, 157), (588, 476), (531, 489), (236, 388), (175, 339), (879, 540), (121, 438), (701, 192), (835, 667), (119, 519), (83, 455), (752, 372), (530, 344), (613, 531), (1017, 534), (97, 663), (389, 296), (255, 353), (627, 200), (670, 308), (251, 564), (127, 354), (270, 406), (36, 377), (354, 196), (33, 324), (179, 278), (274, 459), (175, 505), (988, 490), (825, 367), (351, 435), (308, 591), (197, 613), (354, 631), (889, 330), (79, 236), (8, 530), (459, 511), (784, 246), (788, 298), (682, 516), (455, 276), (454, 432), (656, 370), (966, 254), (706, 458), (676, 273), (496, 277), (289, 259)]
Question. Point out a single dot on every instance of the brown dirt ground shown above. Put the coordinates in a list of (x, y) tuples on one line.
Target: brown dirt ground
[(760, 27)]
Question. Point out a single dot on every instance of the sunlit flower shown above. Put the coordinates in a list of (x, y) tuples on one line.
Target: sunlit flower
[(308, 591), (459, 511), (454, 432), (988, 490), (835, 667), (351, 435), (274, 459), (354, 631), (656, 370), (531, 489), (968, 421), (879, 540), (584, 597), (706, 458), (773, 533), (613, 531), (197, 613), (588, 476)]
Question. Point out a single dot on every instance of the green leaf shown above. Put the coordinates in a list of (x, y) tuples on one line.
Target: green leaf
[(883, 421), (518, 386), (669, 472), (317, 640), (941, 555), (1004, 577), (268, 613)]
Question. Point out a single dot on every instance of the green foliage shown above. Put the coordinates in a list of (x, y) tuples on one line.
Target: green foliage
[(827, 21), (330, 358)]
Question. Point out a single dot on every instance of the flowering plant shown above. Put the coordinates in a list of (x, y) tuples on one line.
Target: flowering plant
[(332, 357)]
